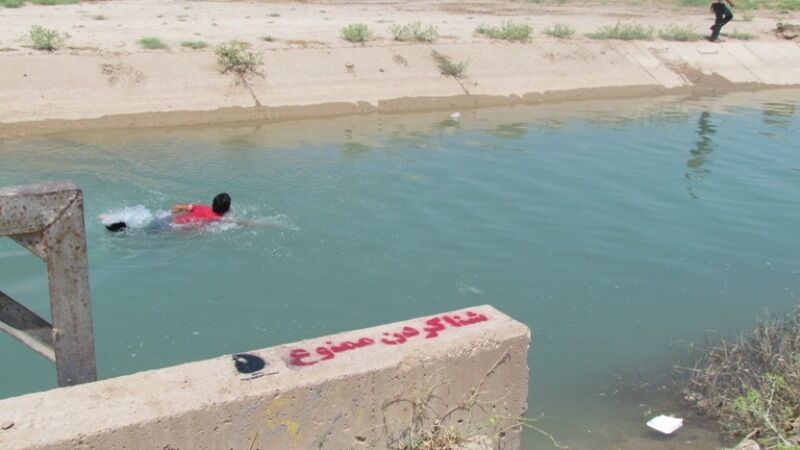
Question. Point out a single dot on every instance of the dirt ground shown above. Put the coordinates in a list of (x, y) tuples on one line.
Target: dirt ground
[(102, 71), (318, 23)]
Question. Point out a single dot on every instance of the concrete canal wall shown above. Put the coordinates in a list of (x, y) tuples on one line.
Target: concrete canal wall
[(365, 389)]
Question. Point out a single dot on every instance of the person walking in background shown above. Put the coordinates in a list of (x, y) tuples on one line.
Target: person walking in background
[(723, 15)]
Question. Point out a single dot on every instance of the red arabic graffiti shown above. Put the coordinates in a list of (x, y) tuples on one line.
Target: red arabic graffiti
[(432, 328)]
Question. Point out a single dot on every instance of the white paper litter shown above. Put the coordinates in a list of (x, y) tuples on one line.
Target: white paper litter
[(665, 424)]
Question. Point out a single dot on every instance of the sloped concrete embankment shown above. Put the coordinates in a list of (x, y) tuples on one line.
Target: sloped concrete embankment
[(365, 389), (161, 89)]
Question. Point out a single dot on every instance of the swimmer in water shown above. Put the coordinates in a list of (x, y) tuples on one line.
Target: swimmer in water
[(187, 214)]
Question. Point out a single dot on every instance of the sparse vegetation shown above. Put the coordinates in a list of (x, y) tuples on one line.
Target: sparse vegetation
[(736, 34), (508, 31), (356, 32), (152, 43), (268, 38), (623, 31), (18, 3), (415, 31), (46, 39), (236, 57), (679, 33), (274, 15), (752, 386), (99, 17), (54, 2), (194, 45), (448, 67), (747, 16), (774, 5), (438, 438), (560, 31)]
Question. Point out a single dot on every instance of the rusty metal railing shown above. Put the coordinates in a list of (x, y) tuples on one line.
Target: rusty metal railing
[(47, 219)]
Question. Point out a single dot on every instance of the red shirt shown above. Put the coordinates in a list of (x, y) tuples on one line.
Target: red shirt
[(198, 214)]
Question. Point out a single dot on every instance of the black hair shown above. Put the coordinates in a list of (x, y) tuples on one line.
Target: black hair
[(222, 204)]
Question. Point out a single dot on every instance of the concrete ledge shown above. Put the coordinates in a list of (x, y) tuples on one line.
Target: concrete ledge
[(83, 94), (365, 389)]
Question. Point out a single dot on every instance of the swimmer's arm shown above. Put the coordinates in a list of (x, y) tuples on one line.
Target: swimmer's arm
[(181, 208)]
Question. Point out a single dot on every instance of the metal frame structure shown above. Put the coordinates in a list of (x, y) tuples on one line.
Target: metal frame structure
[(47, 219)]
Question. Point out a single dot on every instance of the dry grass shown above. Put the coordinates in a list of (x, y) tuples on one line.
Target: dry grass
[(236, 57), (751, 386), (438, 438)]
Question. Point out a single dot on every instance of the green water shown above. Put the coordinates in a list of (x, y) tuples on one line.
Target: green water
[(617, 231)]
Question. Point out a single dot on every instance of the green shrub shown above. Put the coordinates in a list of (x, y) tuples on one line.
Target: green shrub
[(415, 31), (560, 31), (152, 43), (268, 38), (679, 33), (54, 2), (46, 38), (194, 45), (356, 32), (736, 34), (508, 31), (100, 17), (787, 5), (235, 56), (448, 67), (624, 31), (11, 3), (695, 3)]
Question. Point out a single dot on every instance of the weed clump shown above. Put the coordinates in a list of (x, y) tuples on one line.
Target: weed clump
[(54, 2), (236, 57), (152, 43), (437, 438), (679, 33), (508, 31), (18, 3), (448, 67), (356, 32), (623, 31), (415, 31), (194, 45), (560, 31), (736, 34), (46, 39), (751, 386)]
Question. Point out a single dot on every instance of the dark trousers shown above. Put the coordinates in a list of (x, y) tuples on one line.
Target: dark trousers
[(724, 15)]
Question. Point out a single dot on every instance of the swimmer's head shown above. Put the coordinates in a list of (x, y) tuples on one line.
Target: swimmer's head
[(222, 204)]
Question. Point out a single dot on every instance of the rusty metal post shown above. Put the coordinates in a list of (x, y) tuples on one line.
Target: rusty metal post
[(47, 219)]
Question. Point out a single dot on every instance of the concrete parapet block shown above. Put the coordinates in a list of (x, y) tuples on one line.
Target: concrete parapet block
[(465, 371)]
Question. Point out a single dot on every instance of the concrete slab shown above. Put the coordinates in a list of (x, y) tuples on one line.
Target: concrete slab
[(363, 389)]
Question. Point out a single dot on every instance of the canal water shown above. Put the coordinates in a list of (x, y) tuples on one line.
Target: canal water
[(620, 232)]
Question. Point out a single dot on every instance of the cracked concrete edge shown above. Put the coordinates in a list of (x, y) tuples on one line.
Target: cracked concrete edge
[(473, 376)]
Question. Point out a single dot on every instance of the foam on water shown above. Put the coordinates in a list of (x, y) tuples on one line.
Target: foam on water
[(137, 216)]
